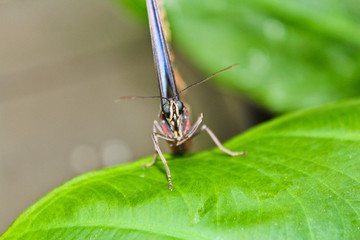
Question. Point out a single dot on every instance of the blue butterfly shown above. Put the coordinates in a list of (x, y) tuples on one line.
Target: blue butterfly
[(174, 125)]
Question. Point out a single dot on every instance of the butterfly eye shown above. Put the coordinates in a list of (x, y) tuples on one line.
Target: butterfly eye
[(180, 105), (166, 108)]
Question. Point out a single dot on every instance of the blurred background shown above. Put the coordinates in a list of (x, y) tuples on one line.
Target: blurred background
[(62, 64)]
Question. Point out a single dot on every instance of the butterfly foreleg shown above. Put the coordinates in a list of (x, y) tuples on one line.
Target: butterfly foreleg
[(193, 130), (159, 133), (159, 152), (218, 143)]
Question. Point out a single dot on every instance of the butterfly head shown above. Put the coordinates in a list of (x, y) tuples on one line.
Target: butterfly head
[(175, 116)]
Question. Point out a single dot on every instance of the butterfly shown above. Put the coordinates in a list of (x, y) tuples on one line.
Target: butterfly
[(174, 123)]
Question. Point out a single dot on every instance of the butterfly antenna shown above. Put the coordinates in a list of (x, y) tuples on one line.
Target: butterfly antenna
[(120, 99), (208, 78)]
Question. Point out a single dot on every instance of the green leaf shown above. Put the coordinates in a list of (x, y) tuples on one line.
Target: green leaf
[(300, 180), (292, 54)]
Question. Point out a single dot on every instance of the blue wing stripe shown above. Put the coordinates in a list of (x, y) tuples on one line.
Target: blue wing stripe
[(160, 51)]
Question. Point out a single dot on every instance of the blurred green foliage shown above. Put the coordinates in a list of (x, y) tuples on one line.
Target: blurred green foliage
[(292, 54), (300, 180)]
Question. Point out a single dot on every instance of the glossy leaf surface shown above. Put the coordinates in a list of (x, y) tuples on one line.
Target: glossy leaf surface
[(300, 180)]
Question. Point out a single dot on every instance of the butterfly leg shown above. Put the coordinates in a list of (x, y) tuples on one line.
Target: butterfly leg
[(156, 129), (158, 152), (218, 143), (153, 161), (192, 131)]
